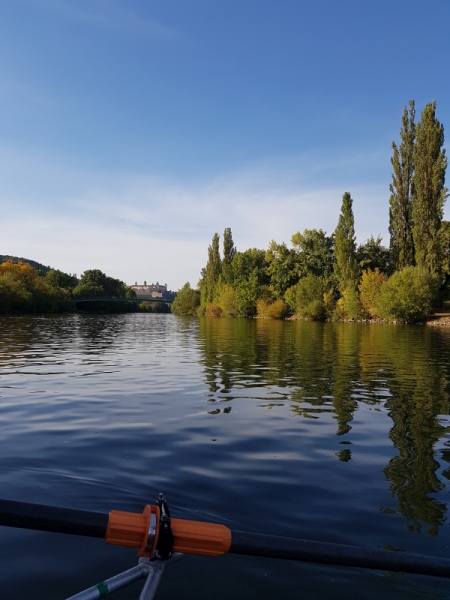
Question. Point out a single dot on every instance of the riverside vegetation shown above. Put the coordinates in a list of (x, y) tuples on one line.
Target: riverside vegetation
[(37, 289), (321, 277), (25, 289), (324, 277)]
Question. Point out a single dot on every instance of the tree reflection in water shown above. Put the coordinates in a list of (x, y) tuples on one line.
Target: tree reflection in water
[(318, 368)]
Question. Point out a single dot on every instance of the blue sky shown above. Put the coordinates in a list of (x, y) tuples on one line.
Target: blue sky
[(132, 130)]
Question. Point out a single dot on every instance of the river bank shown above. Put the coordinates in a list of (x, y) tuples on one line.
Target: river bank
[(441, 319)]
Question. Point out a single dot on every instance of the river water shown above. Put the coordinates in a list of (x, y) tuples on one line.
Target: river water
[(336, 432)]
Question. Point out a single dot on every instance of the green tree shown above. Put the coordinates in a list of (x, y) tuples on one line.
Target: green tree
[(211, 273), (315, 253), (247, 294), (345, 266), (24, 289), (14, 294), (247, 263), (401, 188), (95, 284), (229, 252), (282, 268), (373, 255), (186, 302), (60, 279), (429, 193)]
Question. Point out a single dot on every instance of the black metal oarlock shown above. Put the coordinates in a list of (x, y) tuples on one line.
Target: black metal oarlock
[(165, 542), (160, 540)]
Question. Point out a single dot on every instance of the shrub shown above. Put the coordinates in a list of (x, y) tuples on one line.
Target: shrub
[(213, 310), (309, 298), (370, 288), (261, 307), (227, 301), (154, 307), (275, 310), (290, 297), (349, 305), (329, 303), (409, 295)]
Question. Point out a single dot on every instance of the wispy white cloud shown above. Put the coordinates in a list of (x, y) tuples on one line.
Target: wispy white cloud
[(75, 244), (144, 227), (106, 14), (260, 203)]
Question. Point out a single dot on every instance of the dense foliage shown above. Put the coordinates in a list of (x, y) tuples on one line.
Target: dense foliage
[(18, 259), (324, 276), (24, 289), (152, 307), (186, 302), (408, 295), (95, 284)]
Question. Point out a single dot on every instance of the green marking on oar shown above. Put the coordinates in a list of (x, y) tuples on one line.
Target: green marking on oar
[(102, 589)]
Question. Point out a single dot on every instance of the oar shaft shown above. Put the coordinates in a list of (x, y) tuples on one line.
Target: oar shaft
[(272, 546), (94, 524), (53, 518)]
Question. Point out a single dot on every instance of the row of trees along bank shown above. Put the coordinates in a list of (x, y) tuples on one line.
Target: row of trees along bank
[(24, 289), (328, 276)]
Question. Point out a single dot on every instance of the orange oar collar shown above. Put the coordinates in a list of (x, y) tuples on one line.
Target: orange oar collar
[(142, 530)]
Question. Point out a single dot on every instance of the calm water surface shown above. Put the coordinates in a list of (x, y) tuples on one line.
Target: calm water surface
[(327, 431)]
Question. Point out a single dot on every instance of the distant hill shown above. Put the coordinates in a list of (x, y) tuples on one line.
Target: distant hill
[(33, 263)]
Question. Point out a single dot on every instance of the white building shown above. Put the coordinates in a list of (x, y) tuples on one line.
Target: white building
[(155, 290)]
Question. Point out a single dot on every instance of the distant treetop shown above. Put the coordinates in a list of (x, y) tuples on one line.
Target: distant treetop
[(15, 259)]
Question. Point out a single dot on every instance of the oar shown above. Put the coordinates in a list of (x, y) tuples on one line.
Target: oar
[(193, 537)]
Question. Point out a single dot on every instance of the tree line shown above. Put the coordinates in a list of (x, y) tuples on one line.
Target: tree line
[(24, 289), (325, 276)]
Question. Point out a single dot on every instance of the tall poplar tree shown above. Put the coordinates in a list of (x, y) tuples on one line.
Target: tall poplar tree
[(430, 192), (345, 266), (213, 268), (401, 188), (229, 251)]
